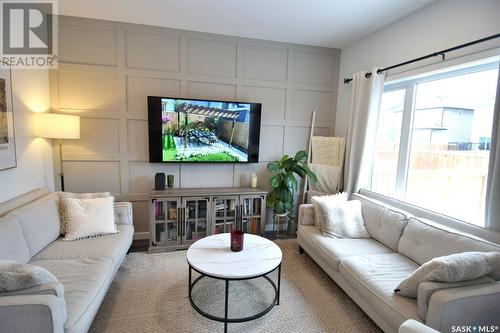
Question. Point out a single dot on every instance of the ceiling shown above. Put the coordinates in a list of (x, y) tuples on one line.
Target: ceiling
[(330, 23)]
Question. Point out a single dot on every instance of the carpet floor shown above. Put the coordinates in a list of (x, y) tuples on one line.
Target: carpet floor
[(150, 294)]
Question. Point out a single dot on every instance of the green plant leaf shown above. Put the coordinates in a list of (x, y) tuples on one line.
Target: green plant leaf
[(273, 167), (301, 156), (288, 163), (299, 171), (306, 171), (284, 157), (275, 181), (288, 206), (290, 180), (271, 200), (279, 207)]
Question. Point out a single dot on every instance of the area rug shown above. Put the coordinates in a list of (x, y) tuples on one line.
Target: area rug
[(150, 294)]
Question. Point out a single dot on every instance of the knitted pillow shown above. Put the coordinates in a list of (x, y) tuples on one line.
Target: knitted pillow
[(63, 195), (89, 217)]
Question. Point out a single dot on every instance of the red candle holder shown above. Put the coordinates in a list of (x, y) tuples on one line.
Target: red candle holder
[(237, 240)]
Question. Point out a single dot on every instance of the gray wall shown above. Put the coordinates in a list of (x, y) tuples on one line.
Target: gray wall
[(107, 69)]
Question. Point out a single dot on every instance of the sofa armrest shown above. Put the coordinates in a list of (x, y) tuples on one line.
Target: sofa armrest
[(472, 305), (306, 214), (123, 212), (43, 313), (427, 289), (413, 326)]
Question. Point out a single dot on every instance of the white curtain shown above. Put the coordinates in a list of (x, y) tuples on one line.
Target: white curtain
[(492, 216), (361, 129)]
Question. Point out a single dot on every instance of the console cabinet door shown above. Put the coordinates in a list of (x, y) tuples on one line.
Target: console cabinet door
[(165, 221), (196, 219), (253, 213), (224, 213)]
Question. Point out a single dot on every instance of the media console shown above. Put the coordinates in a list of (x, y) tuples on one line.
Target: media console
[(179, 217)]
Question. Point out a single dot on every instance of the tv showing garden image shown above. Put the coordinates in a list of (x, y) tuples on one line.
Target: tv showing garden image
[(204, 131)]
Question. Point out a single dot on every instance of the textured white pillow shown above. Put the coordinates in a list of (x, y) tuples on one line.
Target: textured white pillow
[(324, 200), (453, 268), (89, 217), (16, 276), (64, 195), (343, 220)]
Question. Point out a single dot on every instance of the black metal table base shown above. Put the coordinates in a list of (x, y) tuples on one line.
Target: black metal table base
[(225, 319)]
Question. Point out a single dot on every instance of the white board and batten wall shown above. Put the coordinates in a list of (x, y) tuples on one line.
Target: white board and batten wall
[(107, 70)]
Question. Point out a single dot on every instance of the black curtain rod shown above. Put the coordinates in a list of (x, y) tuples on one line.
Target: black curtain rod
[(435, 54)]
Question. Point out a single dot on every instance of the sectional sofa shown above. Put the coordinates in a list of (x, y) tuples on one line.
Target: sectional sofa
[(30, 233), (368, 270)]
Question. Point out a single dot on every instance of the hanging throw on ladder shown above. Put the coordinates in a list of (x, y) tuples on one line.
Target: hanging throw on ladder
[(325, 159)]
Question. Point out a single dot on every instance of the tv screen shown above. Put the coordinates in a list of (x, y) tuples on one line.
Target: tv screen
[(203, 131)]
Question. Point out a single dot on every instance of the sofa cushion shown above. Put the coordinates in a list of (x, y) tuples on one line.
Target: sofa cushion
[(112, 246), (85, 284), (336, 249), (39, 221), (374, 277), (12, 243), (424, 240), (383, 223)]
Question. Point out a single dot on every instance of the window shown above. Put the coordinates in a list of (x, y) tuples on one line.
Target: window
[(433, 141)]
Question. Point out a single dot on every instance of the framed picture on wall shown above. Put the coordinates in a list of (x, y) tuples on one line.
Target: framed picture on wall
[(7, 138)]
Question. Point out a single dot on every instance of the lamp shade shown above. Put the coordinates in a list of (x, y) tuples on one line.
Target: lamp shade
[(57, 126)]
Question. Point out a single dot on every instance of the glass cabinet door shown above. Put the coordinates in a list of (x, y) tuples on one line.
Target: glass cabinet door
[(225, 214), (195, 219), (251, 214), (166, 230)]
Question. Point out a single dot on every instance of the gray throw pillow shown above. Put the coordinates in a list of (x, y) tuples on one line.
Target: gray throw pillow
[(453, 268), (16, 276)]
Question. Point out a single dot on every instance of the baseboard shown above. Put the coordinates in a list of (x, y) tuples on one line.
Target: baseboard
[(141, 235)]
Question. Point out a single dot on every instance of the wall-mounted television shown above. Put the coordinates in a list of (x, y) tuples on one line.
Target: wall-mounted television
[(203, 131)]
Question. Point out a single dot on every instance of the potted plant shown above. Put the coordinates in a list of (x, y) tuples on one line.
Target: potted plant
[(284, 181)]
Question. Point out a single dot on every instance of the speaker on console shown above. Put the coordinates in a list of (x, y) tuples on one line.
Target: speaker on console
[(160, 181)]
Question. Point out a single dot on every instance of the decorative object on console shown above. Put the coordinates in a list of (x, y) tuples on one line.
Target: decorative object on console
[(170, 181), (7, 138), (254, 180), (57, 126), (89, 217), (452, 268), (159, 181)]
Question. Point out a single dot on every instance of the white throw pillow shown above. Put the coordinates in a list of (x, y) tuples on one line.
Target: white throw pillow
[(324, 200), (64, 195), (343, 220), (15, 276), (453, 268), (89, 217)]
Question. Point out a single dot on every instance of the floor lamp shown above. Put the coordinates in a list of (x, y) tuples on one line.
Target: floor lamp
[(57, 126)]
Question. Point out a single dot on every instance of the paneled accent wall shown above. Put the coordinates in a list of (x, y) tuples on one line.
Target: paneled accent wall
[(107, 70)]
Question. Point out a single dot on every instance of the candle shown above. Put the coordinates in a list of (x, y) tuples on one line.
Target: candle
[(254, 180)]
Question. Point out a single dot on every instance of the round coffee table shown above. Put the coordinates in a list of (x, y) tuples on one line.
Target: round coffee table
[(212, 257)]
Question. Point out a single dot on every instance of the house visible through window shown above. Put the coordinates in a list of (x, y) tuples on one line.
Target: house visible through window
[(433, 141)]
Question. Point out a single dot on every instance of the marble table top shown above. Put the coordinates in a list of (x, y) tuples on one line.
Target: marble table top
[(212, 255)]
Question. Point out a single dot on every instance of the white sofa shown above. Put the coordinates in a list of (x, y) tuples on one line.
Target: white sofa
[(30, 233), (368, 270)]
